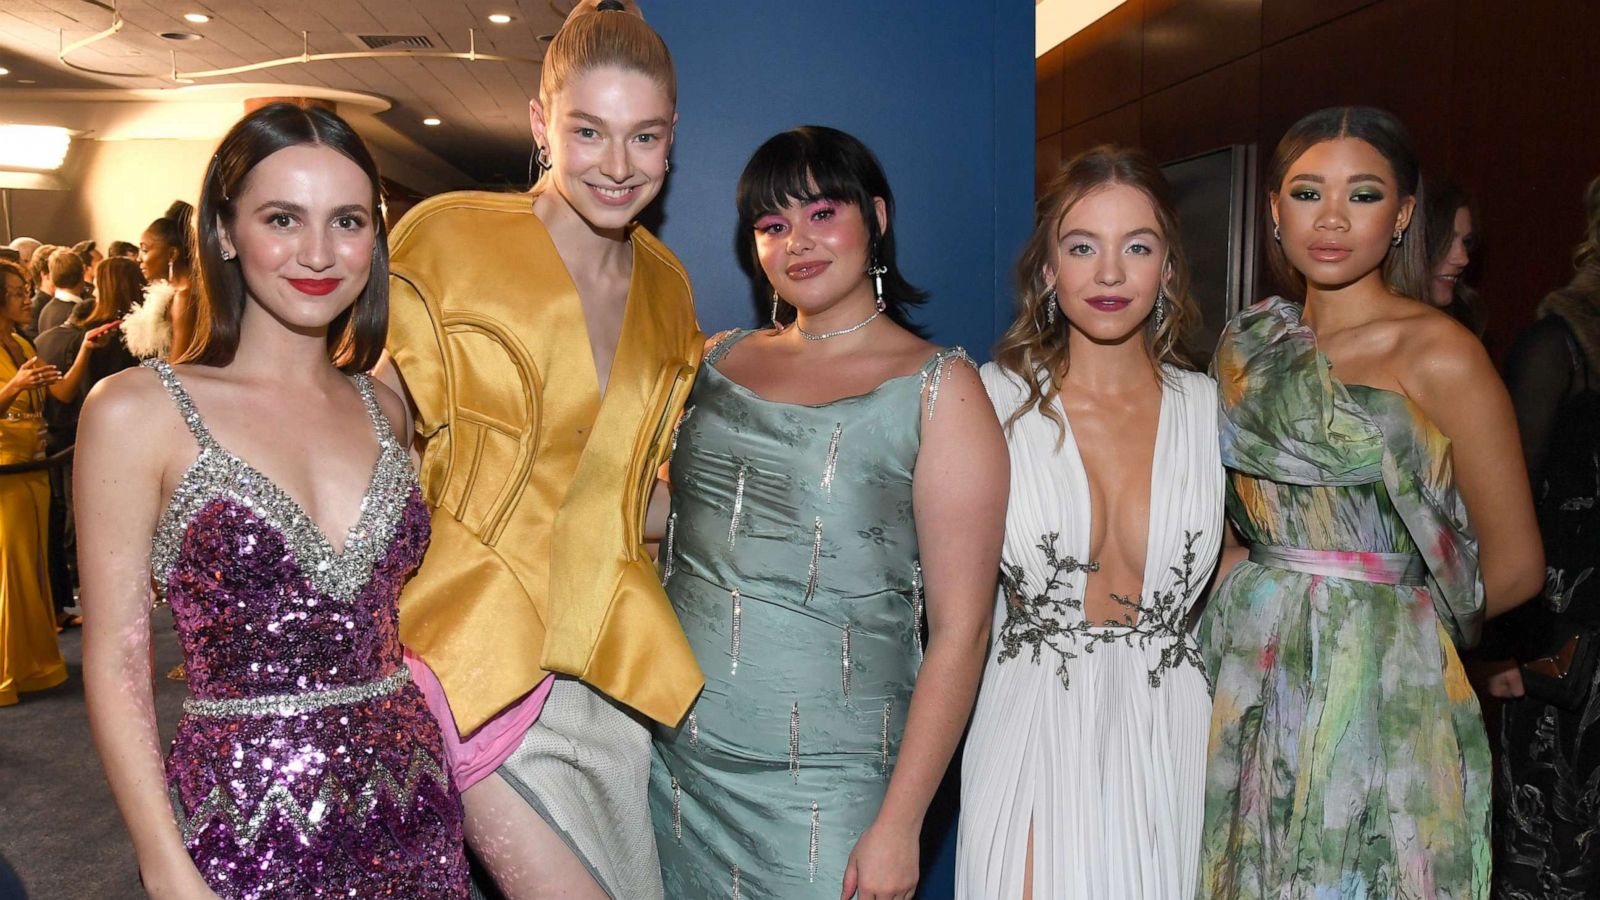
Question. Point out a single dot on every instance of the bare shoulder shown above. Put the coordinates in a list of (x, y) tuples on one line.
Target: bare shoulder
[(1434, 353), (131, 402)]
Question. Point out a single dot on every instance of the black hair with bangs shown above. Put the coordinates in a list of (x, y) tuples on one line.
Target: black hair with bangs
[(815, 162)]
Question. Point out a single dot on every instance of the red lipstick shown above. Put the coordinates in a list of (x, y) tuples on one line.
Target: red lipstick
[(316, 287)]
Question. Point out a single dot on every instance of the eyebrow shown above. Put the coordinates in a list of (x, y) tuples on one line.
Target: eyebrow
[(1083, 232), (298, 210), (1353, 179), (657, 122)]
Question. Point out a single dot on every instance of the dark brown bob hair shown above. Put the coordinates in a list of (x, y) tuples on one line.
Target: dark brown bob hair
[(356, 337)]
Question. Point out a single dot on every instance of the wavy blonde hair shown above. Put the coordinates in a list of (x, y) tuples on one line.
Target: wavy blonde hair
[(1032, 347)]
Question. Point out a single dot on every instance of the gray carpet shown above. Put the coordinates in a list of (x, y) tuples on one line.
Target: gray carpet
[(59, 828)]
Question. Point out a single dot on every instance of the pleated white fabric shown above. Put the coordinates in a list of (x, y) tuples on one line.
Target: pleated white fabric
[(1108, 771)]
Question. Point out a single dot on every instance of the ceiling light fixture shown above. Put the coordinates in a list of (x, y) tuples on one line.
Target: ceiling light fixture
[(38, 147), (500, 18), (4, 71), (180, 36), (196, 18), (431, 121)]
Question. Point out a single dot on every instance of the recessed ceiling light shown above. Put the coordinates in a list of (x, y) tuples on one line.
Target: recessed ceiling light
[(196, 18), (500, 19), (430, 121), (4, 71), (180, 36), (26, 81)]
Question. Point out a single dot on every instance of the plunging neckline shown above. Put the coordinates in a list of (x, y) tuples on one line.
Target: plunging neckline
[(339, 572), (1080, 472)]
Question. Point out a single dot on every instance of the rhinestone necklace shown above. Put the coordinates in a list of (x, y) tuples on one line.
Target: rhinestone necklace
[(843, 331)]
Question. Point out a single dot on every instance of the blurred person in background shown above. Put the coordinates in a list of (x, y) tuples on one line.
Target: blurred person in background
[(120, 285), (162, 323), (30, 660), (25, 247), (43, 290), (67, 279), (1548, 792), (1451, 228), (123, 249)]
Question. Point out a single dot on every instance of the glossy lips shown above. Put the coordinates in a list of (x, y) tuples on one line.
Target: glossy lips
[(316, 287), (802, 270)]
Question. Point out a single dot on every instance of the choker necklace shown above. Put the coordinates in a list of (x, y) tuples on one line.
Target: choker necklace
[(810, 336)]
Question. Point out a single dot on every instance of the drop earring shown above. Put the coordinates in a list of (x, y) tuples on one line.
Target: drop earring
[(775, 325), (1276, 234), (1399, 235), (877, 271), (1050, 308), (1159, 316)]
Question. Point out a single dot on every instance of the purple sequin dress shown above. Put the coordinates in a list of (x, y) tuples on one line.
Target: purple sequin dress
[(306, 764)]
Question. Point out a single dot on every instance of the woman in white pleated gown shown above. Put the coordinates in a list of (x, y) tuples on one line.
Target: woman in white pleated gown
[(1084, 769)]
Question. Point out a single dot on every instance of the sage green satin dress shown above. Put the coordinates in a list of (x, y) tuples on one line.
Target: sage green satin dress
[(791, 559)]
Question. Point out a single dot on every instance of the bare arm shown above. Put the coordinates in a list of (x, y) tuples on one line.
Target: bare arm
[(118, 488), (1450, 376), (959, 496)]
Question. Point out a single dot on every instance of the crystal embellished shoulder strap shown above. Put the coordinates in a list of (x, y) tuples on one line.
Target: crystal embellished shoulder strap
[(722, 343), (380, 422), (934, 370), (185, 403)]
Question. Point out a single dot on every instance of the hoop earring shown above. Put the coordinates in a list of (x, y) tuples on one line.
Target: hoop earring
[(877, 271), (1276, 234), (1399, 235), (542, 158), (1050, 308), (1159, 317)]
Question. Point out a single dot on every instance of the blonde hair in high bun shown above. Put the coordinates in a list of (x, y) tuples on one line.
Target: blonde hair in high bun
[(592, 38)]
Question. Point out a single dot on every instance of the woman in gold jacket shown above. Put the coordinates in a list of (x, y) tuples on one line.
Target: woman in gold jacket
[(547, 345)]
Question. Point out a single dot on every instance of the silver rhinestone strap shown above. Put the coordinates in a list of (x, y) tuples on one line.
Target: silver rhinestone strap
[(733, 636), (794, 742), (816, 557), (917, 606), (301, 703), (811, 850), (832, 463), (844, 662), (738, 506)]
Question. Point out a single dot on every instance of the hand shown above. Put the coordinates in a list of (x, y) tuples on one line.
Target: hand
[(1503, 679), (34, 374), (883, 865), (99, 337)]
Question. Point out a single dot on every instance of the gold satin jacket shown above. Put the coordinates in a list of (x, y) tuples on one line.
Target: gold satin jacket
[(537, 487)]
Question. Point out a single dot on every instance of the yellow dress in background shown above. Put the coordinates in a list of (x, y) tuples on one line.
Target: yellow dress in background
[(30, 659)]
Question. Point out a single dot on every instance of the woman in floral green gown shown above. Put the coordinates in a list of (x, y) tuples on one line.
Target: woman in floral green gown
[(1367, 437)]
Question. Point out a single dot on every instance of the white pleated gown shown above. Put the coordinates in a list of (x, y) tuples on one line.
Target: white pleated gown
[(1109, 769)]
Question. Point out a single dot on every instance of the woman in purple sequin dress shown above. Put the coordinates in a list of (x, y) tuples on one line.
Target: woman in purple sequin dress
[(306, 764)]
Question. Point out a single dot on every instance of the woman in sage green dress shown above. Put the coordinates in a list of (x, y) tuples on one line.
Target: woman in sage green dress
[(833, 478), (1367, 437)]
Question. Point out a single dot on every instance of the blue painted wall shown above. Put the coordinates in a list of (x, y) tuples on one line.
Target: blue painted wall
[(941, 90)]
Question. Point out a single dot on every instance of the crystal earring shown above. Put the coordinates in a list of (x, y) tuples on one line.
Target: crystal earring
[(1398, 236), (775, 325), (668, 168), (226, 256), (877, 271), (1276, 234), (1159, 317), (1050, 308)]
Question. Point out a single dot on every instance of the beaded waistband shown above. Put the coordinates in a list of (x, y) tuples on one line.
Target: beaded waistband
[(302, 702), (1354, 565)]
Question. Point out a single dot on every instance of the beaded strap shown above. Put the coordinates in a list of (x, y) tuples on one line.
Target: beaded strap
[(722, 343), (185, 403), (934, 371)]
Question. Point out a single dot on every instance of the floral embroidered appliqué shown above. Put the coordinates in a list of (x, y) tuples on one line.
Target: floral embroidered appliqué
[(1035, 620)]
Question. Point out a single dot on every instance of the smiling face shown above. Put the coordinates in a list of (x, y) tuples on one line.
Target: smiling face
[(1109, 261), (815, 254), (303, 232), (608, 133), (17, 306), (1337, 211), (1442, 284)]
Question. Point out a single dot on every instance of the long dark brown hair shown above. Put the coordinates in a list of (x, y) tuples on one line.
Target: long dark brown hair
[(1445, 199), (1405, 268), (356, 336), (1036, 351)]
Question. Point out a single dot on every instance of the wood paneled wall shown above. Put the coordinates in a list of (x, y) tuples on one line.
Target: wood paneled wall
[(1503, 97)]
